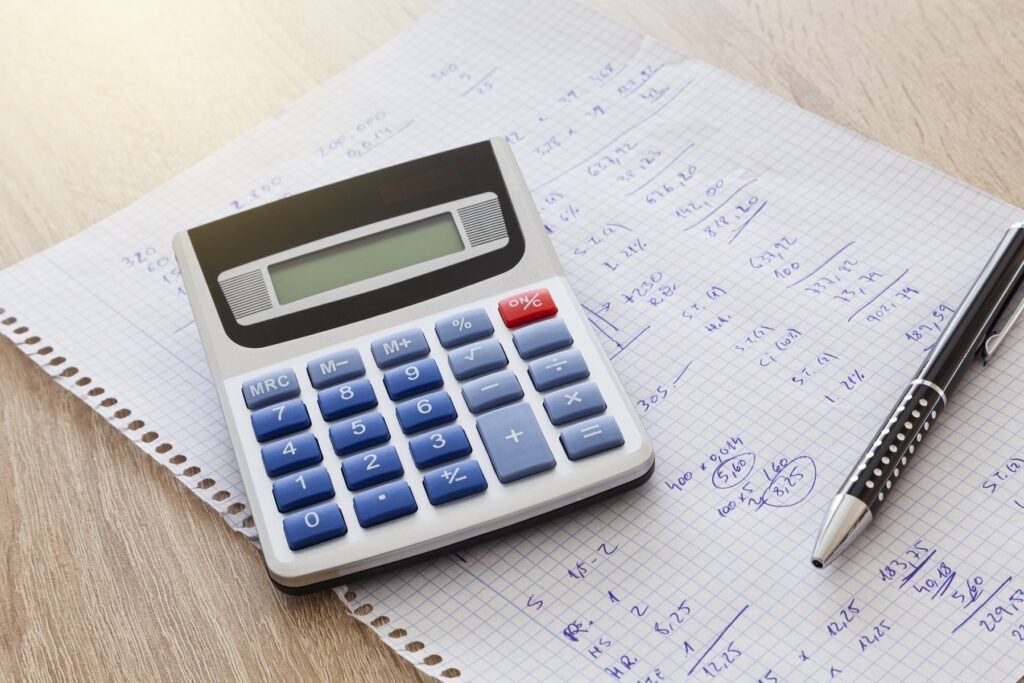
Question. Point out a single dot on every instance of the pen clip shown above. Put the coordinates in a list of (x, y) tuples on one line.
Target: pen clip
[(1004, 323)]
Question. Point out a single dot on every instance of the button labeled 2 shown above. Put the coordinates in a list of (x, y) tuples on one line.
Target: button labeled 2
[(373, 467)]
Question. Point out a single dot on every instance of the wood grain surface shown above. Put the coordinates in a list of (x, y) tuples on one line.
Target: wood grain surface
[(112, 569)]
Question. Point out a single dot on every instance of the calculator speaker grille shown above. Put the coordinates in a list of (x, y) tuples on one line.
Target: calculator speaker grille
[(246, 293), (483, 222)]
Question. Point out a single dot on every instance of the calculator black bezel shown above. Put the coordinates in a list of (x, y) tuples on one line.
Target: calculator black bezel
[(290, 222)]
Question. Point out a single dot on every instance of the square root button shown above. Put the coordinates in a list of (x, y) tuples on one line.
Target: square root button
[(514, 442)]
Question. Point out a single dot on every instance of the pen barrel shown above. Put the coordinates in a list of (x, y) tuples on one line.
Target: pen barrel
[(894, 446)]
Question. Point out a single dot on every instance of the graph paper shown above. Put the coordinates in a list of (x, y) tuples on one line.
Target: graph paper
[(763, 280)]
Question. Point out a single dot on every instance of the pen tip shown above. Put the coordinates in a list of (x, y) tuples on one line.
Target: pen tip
[(818, 563)]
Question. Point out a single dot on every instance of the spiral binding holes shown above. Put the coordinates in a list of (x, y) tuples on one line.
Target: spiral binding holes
[(408, 648), (69, 376), (96, 397)]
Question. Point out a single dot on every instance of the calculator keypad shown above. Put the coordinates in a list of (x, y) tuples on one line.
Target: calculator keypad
[(370, 463)]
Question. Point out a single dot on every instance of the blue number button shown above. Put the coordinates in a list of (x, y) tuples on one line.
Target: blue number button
[(590, 437), (425, 412), (270, 388), (543, 337), (492, 391), (476, 359), (358, 433), (453, 482), (285, 418), (514, 442), (412, 379), (291, 454), (347, 399), (463, 328), (574, 403), (561, 368), (384, 504), (335, 367), (372, 467), (302, 488), (439, 446), (313, 526), (401, 347)]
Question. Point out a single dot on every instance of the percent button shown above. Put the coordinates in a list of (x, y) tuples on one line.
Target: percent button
[(463, 327)]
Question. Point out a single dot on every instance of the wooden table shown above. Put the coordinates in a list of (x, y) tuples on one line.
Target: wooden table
[(113, 570)]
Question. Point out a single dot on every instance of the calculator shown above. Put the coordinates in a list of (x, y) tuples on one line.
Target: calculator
[(403, 367)]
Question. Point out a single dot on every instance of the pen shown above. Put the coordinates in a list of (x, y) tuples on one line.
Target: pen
[(978, 327)]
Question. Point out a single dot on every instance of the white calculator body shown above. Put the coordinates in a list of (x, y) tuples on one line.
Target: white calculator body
[(403, 367)]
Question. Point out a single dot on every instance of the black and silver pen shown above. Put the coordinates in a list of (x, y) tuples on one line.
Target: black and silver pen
[(978, 327)]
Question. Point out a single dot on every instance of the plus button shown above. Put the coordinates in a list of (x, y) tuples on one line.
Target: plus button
[(513, 436)]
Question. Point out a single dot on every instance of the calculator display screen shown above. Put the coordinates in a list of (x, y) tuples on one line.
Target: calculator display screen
[(365, 257)]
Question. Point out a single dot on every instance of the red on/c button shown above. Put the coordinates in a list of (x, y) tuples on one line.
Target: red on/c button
[(526, 307)]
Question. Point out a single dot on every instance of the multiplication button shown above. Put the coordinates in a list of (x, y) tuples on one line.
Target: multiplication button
[(574, 403)]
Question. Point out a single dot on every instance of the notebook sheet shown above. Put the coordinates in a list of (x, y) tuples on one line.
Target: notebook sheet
[(764, 281)]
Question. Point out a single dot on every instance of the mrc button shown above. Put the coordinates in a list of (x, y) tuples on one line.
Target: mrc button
[(526, 307), (270, 388)]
